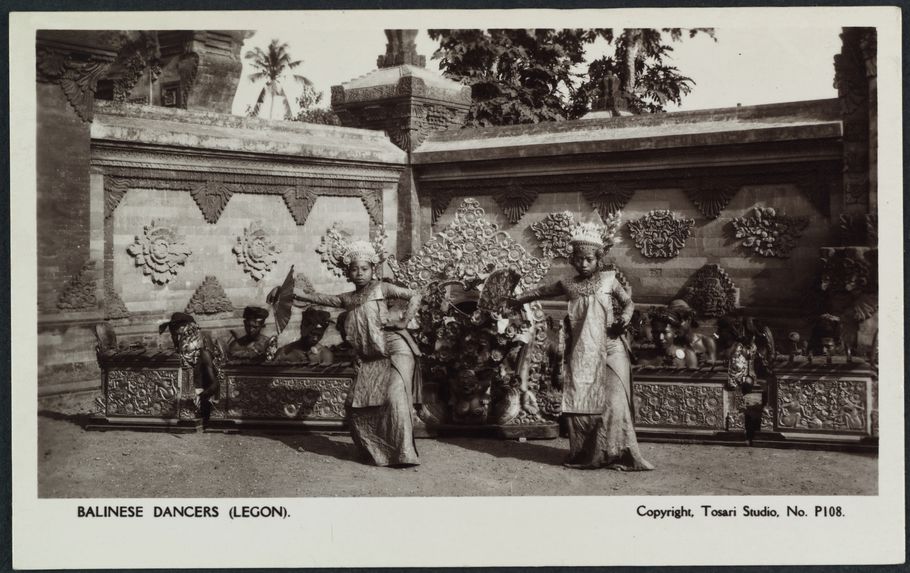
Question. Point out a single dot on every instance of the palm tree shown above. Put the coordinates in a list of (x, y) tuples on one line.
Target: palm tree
[(273, 66)]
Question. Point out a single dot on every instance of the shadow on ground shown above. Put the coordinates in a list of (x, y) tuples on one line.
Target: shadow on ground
[(538, 451)]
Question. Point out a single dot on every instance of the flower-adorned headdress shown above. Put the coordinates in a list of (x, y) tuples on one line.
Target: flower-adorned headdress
[(338, 250), (590, 234)]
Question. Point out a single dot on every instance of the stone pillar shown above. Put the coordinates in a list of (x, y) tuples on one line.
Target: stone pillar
[(849, 271), (69, 65), (855, 80), (407, 102)]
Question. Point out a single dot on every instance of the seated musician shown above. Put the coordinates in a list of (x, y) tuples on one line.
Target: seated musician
[(253, 344)]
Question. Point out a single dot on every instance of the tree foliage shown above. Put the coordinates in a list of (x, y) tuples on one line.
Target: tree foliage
[(529, 75), (310, 112), (273, 66)]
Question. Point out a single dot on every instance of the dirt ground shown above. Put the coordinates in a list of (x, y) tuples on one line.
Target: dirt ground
[(73, 462)]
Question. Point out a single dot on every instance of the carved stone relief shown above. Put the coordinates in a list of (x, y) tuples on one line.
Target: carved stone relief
[(712, 292), (77, 74), (659, 234), (849, 280), (515, 202), (113, 304), (300, 201), (608, 198), (372, 202), (209, 298), (211, 197), (769, 233), (823, 406), (160, 252), (256, 253), (711, 198), (554, 233), (468, 250), (80, 292), (679, 405), (115, 189)]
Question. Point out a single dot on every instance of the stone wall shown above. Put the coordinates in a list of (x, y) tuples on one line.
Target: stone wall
[(202, 213), (711, 169), (657, 281)]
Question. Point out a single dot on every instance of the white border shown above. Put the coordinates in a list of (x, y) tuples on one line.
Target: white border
[(456, 531)]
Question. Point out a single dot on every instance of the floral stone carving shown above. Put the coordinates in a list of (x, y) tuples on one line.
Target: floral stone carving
[(468, 250), (712, 292), (209, 298), (659, 234), (255, 252), (79, 293), (554, 232), (769, 233), (159, 252)]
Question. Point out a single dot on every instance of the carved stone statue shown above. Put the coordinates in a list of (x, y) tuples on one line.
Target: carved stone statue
[(253, 344)]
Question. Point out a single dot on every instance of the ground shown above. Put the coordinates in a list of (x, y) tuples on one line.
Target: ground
[(73, 462)]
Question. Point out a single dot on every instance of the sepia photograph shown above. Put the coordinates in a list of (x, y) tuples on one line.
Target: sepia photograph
[(350, 261)]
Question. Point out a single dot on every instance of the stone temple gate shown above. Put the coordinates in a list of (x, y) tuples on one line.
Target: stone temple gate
[(164, 202)]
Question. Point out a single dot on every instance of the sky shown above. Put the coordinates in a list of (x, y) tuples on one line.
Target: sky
[(746, 66)]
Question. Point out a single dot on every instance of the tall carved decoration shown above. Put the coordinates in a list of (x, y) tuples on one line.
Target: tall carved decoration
[(211, 197), (855, 80), (209, 298), (711, 292), (159, 252), (554, 231), (300, 201), (769, 233), (256, 253), (659, 234), (608, 198), (80, 292), (76, 72), (711, 198), (467, 250)]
